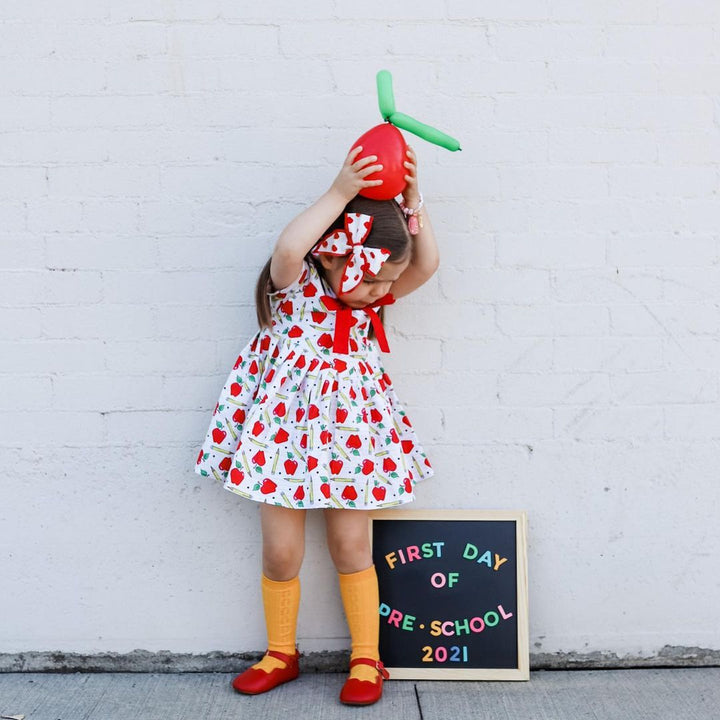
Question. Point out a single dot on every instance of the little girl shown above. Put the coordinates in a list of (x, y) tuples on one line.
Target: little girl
[(308, 417)]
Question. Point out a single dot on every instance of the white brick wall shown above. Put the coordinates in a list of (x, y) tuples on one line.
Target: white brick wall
[(564, 360)]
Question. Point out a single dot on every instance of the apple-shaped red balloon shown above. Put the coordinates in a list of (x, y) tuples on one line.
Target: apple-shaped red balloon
[(387, 142)]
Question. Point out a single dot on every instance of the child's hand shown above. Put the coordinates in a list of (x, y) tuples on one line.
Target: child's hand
[(351, 178), (411, 193)]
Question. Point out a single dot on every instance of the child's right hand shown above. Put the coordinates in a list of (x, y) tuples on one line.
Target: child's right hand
[(351, 178)]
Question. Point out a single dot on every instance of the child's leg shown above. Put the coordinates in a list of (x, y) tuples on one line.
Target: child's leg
[(283, 531), (349, 545)]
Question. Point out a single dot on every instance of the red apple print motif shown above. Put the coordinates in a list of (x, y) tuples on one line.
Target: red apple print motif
[(340, 365), (300, 362), (367, 467), (270, 375), (303, 441), (353, 345), (309, 290), (341, 415), (335, 386), (253, 368), (286, 307), (318, 316), (291, 466), (200, 456), (394, 436), (225, 464), (259, 458), (408, 485), (258, 427), (364, 393), (313, 412), (313, 364), (354, 442), (268, 486), (239, 416), (325, 489), (281, 436), (218, 435), (312, 462), (336, 466), (237, 362), (279, 410), (299, 493), (406, 420), (389, 465), (265, 343), (375, 416), (236, 476), (352, 393), (325, 437), (427, 462), (295, 331), (299, 414), (407, 446), (349, 493), (325, 340), (235, 389), (325, 386), (386, 379), (379, 493)]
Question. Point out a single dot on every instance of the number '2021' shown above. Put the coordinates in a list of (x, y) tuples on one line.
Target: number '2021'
[(455, 653)]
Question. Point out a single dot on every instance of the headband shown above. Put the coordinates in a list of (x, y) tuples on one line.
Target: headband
[(350, 242)]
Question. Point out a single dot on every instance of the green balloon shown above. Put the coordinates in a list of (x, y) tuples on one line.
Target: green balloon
[(426, 132), (386, 99)]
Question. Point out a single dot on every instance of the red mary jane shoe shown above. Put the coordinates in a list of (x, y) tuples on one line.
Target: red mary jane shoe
[(364, 692), (254, 682)]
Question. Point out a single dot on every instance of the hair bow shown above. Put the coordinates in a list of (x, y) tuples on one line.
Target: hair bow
[(350, 242)]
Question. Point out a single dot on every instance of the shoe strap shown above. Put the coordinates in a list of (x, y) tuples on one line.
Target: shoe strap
[(372, 663), (287, 659)]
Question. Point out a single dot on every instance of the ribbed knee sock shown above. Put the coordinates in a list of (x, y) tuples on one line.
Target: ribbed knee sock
[(361, 600), (281, 600)]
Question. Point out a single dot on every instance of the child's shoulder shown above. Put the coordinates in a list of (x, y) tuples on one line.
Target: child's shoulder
[(308, 277)]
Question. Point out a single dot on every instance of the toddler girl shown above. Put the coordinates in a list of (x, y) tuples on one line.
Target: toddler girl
[(308, 417)]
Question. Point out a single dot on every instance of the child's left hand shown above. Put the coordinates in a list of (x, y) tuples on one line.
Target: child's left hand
[(411, 193)]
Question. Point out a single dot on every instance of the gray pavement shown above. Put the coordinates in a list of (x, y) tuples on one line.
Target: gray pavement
[(642, 694)]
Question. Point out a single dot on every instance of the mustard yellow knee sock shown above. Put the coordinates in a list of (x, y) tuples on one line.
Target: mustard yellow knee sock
[(281, 600), (361, 600)]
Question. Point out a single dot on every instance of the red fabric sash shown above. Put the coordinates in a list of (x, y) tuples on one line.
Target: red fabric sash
[(344, 321)]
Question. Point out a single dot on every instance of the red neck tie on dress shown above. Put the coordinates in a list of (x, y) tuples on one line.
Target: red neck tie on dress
[(344, 321)]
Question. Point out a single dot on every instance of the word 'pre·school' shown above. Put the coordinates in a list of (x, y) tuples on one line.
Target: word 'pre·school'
[(428, 550)]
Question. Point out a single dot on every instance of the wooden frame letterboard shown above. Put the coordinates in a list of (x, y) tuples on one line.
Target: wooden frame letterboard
[(453, 593)]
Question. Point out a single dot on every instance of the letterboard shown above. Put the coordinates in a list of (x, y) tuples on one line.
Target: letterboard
[(453, 593)]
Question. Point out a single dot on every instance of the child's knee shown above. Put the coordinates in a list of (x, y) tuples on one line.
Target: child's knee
[(281, 562)]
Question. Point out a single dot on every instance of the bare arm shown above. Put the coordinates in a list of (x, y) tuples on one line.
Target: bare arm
[(426, 256), (305, 230)]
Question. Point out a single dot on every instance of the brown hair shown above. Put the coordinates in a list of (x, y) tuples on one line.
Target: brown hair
[(389, 230)]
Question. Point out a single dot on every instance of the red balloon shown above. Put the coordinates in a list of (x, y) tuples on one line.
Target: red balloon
[(387, 142)]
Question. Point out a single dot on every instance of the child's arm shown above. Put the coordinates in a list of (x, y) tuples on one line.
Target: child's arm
[(425, 255), (298, 238)]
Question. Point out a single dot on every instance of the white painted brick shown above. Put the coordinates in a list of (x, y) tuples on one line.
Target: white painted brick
[(50, 76), (427, 421), (553, 251), (545, 42), (190, 253), (657, 112), (457, 249), (688, 12), (25, 113), (44, 356), (144, 75), (14, 216), (421, 10), (106, 111), (470, 423), (280, 10), (20, 250), (494, 77), (168, 216), (655, 42), (606, 285), (18, 391), (701, 353), (651, 181), (222, 40), (106, 181), (22, 288), (145, 10), (691, 147), (43, 12), (692, 422), (674, 320), (20, 323), (106, 215), (664, 249), (482, 285), (615, 423), (225, 322), (602, 76), (71, 287), (691, 284), (529, 111), (460, 320), (488, 10), (98, 251), (149, 428), (106, 393), (159, 357), (436, 388), (420, 355), (42, 148), (607, 12), (551, 182), (446, 40), (663, 388), (607, 354), (22, 182), (498, 353), (52, 429), (99, 321), (592, 146), (550, 389), (689, 78), (552, 320)]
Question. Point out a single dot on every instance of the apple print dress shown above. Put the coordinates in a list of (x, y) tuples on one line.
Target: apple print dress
[(302, 426)]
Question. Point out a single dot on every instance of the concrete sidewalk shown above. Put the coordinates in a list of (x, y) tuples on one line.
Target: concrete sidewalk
[(643, 694)]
